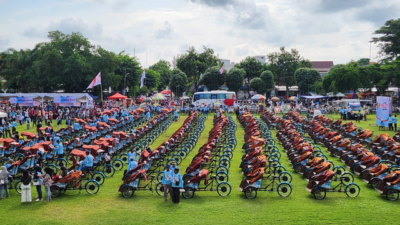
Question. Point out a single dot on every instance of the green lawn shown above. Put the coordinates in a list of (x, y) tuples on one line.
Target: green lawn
[(108, 207)]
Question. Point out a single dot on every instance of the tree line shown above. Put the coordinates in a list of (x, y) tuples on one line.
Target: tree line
[(69, 62)]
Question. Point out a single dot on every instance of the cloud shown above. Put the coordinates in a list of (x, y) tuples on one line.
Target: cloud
[(377, 15), (33, 32), (332, 6), (216, 3), (69, 25), (4, 42), (164, 32)]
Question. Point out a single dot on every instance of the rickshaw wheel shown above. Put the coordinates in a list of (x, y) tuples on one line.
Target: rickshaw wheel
[(182, 153), (352, 190), (222, 168), (285, 177), (225, 162), (347, 177), (222, 177), (108, 171), (98, 177), (297, 168), (189, 193), (224, 189), (160, 189), (320, 193), (17, 187), (127, 192), (118, 165), (284, 189), (392, 195), (55, 191), (159, 176), (124, 158), (250, 192), (92, 187), (375, 182)]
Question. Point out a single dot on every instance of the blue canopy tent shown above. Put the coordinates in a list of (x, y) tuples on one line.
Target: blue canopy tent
[(94, 97), (312, 97)]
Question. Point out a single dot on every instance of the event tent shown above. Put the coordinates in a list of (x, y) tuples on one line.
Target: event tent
[(40, 97), (117, 96)]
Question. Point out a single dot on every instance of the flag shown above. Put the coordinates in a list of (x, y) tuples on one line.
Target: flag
[(142, 78), (96, 81), (221, 71)]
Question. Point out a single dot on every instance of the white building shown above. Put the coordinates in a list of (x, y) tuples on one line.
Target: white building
[(227, 64), (260, 58)]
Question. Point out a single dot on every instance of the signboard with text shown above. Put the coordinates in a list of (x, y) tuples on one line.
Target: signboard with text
[(21, 100), (64, 99), (383, 110)]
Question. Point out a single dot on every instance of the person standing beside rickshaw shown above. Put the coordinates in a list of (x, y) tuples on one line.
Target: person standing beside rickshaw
[(87, 163), (177, 183), (167, 182)]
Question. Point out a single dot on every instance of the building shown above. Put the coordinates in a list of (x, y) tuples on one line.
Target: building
[(227, 64), (322, 66), (260, 58)]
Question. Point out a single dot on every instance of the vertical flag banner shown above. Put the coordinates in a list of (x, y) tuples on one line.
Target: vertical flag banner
[(96, 81), (221, 71), (142, 78), (383, 110)]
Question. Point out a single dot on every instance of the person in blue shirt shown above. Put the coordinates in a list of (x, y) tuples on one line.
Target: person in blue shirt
[(132, 155), (14, 126), (390, 122), (344, 113), (177, 183), (1, 132), (59, 148), (87, 163), (176, 115), (148, 115), (395, 123), (9, 163), (68, 122), (206, 110), (167, 182), (77, 127), (132, 165)]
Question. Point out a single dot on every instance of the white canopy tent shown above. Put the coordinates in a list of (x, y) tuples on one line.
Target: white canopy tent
[(41, 97)]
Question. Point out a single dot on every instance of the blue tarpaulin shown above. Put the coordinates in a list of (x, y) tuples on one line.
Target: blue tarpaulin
[(94, 97)]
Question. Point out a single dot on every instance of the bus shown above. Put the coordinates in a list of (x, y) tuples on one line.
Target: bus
[(211, 97)]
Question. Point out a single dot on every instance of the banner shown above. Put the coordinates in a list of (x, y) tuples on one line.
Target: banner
[(21, 100), (76, 104), (64, 99), (383, 110)]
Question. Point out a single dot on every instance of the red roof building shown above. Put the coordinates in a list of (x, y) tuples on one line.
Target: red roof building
[(322, 66)]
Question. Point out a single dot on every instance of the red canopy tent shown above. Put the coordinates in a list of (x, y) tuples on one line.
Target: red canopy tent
[(117, 96), (166, 92)]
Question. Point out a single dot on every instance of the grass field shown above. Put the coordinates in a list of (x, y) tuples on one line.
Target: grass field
[(145, 207)]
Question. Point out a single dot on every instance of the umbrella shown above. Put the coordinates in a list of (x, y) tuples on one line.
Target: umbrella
[(184, 97), (155, 104), (217, 103), (159, 97), (166, 92), (147, 99), (275, 99), (293, 98), (258, 97), (354, 96)]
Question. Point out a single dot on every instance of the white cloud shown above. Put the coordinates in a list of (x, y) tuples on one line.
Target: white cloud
[(336, 30)]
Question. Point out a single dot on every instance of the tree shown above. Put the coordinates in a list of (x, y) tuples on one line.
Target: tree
[(268, 79), (345, 78), (193, 64), (389, 40), (212, 78), (234, 79), (258, 85), (305, 77), (163, 68), (363, 62), (283, 65), (152, 79), (178, 82), (251, 66)]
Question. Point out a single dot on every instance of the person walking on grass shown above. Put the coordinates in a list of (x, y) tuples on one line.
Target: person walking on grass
[(28, 123), (390, 122), (395, 123), (167, 182), (177, 183), (47, 178), (38, 182), (26, 188), (4, 182)]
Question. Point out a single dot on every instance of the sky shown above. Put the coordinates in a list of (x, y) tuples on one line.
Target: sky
[(334, 30)]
